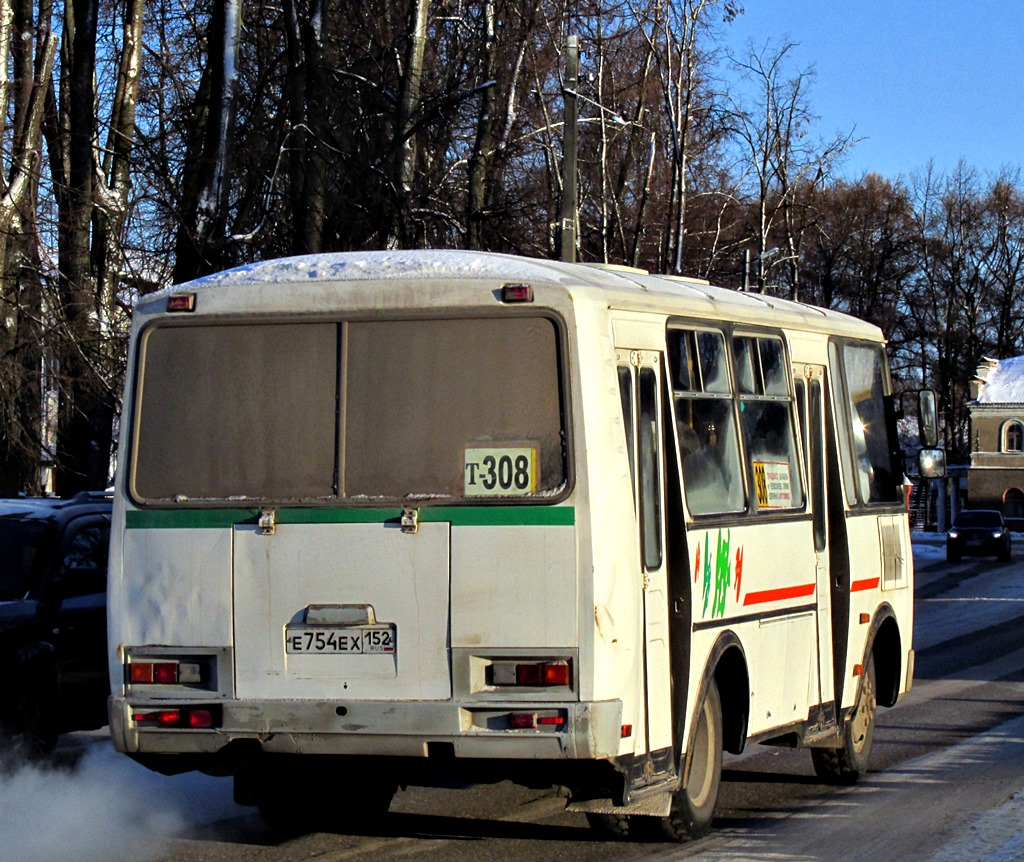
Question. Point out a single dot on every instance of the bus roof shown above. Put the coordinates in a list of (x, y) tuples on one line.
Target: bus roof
[(615, 286)]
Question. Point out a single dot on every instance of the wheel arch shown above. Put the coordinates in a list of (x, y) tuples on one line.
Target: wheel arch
[(727, 666), (885, 644)]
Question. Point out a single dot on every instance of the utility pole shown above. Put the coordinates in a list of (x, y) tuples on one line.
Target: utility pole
[(572, 75)]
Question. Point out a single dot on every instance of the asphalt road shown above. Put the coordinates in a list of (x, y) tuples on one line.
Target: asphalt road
[(946, 784)]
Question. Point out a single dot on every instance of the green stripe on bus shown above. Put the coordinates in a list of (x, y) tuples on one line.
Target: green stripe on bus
[(461, 516)]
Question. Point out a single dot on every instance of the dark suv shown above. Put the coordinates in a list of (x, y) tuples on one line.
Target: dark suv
[(53, 618), (978, 531)]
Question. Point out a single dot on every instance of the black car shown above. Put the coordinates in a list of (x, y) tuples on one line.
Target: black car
[(978, 531), (53, 618)]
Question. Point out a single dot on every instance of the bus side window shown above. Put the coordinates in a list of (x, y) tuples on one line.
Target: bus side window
[(801, 412), (816, 461), (766, 408), (708, 438), (626, 396), (650, 471)]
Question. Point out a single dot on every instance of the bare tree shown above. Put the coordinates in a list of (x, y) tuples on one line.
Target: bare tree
[(676, 33), (947, 300), (773, 135), (862, 251), (92, 188), (1004, 243), (22, 100), (306, 86), (203, 231), (406, 132), (486, 135)]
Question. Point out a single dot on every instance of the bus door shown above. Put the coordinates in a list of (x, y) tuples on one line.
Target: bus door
[(813, 419), (640, 388)]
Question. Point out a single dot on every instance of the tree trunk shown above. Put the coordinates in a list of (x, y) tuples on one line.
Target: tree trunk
[(201, 242), (477, 197), (306, 83), (408, 105)]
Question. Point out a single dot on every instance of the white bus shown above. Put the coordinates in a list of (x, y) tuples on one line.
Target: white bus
[(388, 518)]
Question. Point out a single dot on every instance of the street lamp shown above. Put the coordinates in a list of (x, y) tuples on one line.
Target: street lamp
[(761, 258)]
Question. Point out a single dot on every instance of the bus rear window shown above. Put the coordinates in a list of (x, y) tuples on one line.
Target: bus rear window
[(360, 410)]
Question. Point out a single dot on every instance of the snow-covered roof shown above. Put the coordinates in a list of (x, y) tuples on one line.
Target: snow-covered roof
[(353, 266), (379, 271), (1004, 382)]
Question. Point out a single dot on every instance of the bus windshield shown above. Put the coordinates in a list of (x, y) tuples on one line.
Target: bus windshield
[(356, 410)]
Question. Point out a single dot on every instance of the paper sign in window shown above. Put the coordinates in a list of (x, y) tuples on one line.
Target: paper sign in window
[(774, 489)]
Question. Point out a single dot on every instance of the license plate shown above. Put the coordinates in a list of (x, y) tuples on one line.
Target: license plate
[(341, 640)]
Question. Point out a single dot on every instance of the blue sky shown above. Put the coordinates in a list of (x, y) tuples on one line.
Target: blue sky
[(917, 80)]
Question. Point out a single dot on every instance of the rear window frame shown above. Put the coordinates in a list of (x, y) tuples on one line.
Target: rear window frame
[(542, 497)]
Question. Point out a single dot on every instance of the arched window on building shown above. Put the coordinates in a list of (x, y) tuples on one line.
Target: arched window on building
[(1013, 437), (1013, 507)]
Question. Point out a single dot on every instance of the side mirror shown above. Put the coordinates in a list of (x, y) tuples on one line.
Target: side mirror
[(928, 418), (931, 463)]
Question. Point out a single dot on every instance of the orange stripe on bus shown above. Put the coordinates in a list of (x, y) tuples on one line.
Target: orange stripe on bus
[(866, 584), (779, 594)]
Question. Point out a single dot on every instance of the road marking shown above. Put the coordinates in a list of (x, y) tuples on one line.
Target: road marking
[(973, 599)]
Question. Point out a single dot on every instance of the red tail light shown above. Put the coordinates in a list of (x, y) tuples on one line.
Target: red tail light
[(197, 718), (543, 673), (163, 672), (181, 302), (200, 718), (152, 671), (533, 720), (160, 717), (529, 674), (516, 293), (556, 673)]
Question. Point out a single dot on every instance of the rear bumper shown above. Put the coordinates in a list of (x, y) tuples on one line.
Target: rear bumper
[(589, 731)]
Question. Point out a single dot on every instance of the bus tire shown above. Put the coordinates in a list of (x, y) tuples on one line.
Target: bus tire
[(693, 806), (849, 763)]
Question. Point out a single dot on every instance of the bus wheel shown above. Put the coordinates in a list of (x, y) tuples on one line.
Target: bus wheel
[(849, 763), (693, 806)]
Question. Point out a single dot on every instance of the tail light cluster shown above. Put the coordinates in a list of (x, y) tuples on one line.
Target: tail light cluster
[(164, 673), (195, 717), (549, 720), (531, 674), (172, 690)]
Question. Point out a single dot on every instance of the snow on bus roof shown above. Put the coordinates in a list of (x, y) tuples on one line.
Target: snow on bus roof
[(423, 264), (406, 264)]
